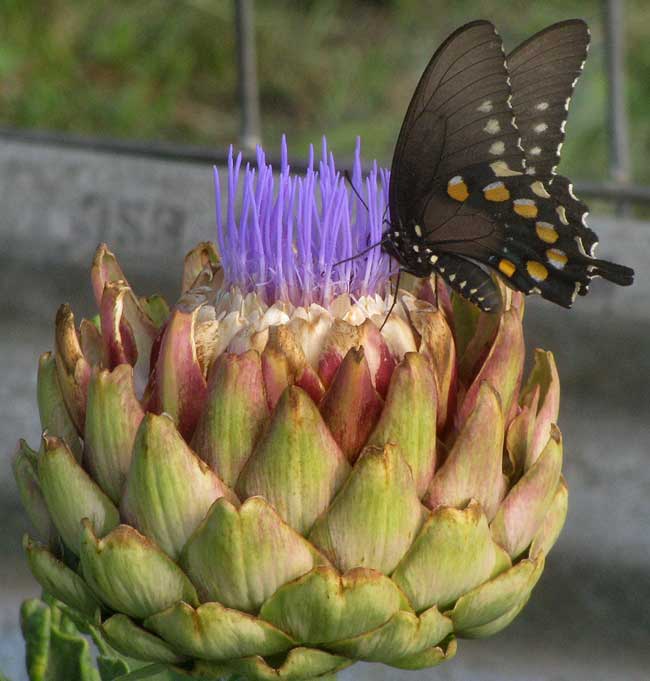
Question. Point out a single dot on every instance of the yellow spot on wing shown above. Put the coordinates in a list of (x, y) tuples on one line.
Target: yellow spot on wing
[(540, 190), (457, 189), (561, 211), (496, 191), (506, 267), (502, 169), (546, 232), (536, 270), (525, 207)]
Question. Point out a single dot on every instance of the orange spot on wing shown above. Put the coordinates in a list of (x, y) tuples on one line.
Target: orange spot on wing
[(557, 258), (536, 270), (458, 190), (496, 193), (526, 210), (506, 267), (546, 232)]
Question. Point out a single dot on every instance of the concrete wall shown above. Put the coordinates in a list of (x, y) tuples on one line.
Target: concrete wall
[(588, 619)]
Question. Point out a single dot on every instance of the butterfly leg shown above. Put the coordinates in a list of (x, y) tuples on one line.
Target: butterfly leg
[(392, 307)]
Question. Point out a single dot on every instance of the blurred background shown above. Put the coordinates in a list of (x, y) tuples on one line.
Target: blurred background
[(111, 114)]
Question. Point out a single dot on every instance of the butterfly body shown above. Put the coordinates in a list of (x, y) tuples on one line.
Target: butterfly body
[(471, 192)]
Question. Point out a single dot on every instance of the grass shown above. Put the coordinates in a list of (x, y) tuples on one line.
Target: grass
[(166, 70)]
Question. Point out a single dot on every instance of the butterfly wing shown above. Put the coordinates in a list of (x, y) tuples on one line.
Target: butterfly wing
[(460, 199), (462, 90), (459, 121), (543, 73)]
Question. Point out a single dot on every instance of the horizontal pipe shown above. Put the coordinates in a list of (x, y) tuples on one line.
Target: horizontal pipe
[(185, 153)]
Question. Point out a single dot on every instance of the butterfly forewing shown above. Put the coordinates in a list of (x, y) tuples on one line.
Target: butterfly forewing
[(459, 117), (543, 71)]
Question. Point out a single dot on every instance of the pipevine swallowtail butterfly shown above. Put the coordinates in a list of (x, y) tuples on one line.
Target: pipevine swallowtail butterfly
[(473, 186)]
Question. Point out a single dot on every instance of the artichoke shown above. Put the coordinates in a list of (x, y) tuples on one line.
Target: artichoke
[(265, 481)]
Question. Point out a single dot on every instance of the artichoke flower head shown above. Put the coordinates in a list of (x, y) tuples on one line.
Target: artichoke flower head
[(267, 480)]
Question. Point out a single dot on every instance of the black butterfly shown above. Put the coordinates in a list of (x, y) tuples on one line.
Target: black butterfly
[(473, 182)]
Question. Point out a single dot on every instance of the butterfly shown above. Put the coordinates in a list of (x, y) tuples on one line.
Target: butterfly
[(473, 184)]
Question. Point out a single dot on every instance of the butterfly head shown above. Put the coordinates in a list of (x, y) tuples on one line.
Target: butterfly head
[(408, 248)]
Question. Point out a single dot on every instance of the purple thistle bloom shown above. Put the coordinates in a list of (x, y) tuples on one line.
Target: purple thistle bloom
[(290, 230)]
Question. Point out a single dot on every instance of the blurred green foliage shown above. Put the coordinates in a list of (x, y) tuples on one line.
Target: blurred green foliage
[(157, 69)]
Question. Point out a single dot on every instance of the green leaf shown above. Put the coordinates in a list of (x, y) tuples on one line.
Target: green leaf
[(143, 673), (35, 619), (56, 651), (111, 668)]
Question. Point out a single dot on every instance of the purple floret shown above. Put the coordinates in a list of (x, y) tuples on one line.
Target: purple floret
[(283, 233)]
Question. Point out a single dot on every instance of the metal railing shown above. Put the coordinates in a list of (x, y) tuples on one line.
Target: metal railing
[(617, 188)]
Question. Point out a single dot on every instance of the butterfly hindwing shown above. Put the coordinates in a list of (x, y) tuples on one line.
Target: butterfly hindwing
[(543, 73)]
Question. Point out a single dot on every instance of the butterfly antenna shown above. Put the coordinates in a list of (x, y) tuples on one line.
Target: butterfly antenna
[(346, 175), (392, 307), (359, 254), (384, 219)]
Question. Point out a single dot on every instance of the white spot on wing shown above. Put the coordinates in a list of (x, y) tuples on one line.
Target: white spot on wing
[(530, 170), (456, 179), (536, 151), (418, 230), (542, 106), (485, 106), (576, 288), (540, 128), (497, 148), (492, 127), (581, 246)]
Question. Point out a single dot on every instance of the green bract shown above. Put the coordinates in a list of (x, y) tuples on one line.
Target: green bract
[(274, 491)]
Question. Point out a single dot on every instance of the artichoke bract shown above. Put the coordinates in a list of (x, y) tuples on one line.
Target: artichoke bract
[(263, 480)]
